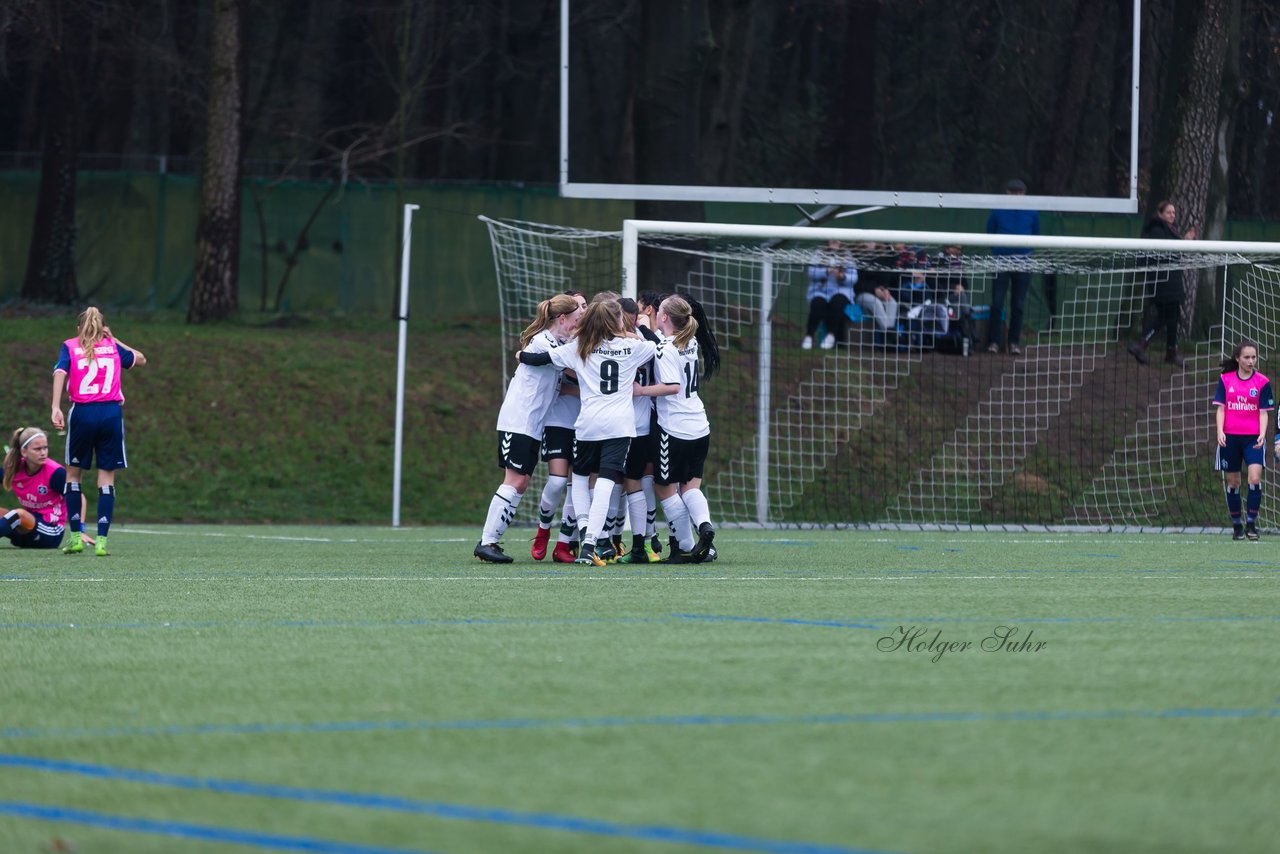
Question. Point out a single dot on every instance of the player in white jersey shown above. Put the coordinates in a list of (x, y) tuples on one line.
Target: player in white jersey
[(684, 433), (520, 421), (605, 359), (638, 506), (557, 453)]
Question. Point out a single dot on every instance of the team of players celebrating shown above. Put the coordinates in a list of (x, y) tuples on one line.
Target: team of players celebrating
[(607, 394)]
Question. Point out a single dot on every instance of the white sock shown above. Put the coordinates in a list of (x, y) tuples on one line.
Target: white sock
[(552, 494), (637, 510), (568, 520), (581, 498), (618, 510), (699, 512), (678, 520), (651, 503), (600, 502), (502, 509)]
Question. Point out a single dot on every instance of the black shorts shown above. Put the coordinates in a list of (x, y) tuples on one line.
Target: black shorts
[(679, 460), (606, 457), (557, 444), (639, 457), (517, 452)]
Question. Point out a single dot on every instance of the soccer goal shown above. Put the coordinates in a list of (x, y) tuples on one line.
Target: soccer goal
[(839, 420)]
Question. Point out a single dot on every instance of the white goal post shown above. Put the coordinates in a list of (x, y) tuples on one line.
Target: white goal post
[(897, 426)]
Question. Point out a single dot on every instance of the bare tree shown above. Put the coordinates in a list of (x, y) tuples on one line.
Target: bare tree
[(56, 27), (1195, 138), (214, 294)]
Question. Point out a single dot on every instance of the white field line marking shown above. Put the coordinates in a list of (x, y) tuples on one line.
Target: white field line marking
[(283, 538)]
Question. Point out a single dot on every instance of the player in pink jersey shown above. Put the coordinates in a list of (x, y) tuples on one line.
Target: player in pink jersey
[(39, 520), (89, 367), (1243, 400)]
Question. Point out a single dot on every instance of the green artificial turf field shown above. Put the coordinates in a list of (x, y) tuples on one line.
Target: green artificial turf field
[(350, 689)]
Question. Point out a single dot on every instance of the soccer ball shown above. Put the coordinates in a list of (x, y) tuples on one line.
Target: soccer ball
[(20, 519)]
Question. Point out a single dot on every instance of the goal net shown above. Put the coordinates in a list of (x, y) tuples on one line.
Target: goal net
[(919, 423)]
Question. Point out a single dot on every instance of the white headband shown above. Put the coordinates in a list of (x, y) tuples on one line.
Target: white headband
[(31, 438)]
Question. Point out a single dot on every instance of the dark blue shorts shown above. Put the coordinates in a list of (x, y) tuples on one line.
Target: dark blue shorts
[(43, 536), (1239, 448), (96, 430)]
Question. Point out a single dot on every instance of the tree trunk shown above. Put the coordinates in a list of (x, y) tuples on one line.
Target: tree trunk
[(214, 294), (51, 261), (1195, 140)]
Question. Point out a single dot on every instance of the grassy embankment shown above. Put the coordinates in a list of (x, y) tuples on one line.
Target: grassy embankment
[(243, 422)]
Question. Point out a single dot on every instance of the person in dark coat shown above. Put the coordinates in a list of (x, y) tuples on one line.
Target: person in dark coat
[(1169, 290)]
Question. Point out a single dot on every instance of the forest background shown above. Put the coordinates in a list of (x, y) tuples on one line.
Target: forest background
[(402, 93)]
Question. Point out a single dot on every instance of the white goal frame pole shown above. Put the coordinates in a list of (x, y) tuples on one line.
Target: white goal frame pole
[(633, 228), (403, 318), (764, 366)]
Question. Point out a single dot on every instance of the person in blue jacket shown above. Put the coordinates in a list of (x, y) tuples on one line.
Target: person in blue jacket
[(1016, 270)]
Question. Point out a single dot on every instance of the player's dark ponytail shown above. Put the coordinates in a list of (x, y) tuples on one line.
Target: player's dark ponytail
[(707, 347)]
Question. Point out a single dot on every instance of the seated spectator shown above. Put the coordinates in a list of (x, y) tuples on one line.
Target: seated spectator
[(926, 318), (831, 289), (874, 294)]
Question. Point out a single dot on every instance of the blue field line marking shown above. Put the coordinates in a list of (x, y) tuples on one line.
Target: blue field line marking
[(698, 720), (875, 623), (724, 618), (806, 543), (184, 830), (436, 809)]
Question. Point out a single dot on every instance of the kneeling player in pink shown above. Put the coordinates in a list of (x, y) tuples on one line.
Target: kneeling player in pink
[(40, 519)]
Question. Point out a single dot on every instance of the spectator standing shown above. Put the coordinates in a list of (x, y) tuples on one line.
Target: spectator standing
[(1011, 221), (831, 290), (1169, 290)]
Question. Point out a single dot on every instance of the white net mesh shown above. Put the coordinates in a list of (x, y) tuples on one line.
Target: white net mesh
[(900, 425)]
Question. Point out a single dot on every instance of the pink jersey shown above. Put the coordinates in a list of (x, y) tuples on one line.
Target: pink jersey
[(35, 494), (1242, 400), (97, 379)]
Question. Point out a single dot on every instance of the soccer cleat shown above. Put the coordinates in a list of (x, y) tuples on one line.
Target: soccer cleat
[(829, 341), (19, 519), (655, 544), (563, 553), (1015, 350), (619, 548), (587, 556), (75, 545), (1138, 350), (100, 547), (649, 555), (604, 551), (807, 343), (539, 547), (1250, 531), (1237, 531), (706, 534), (491, 553), (993, 347), (674, 554)]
